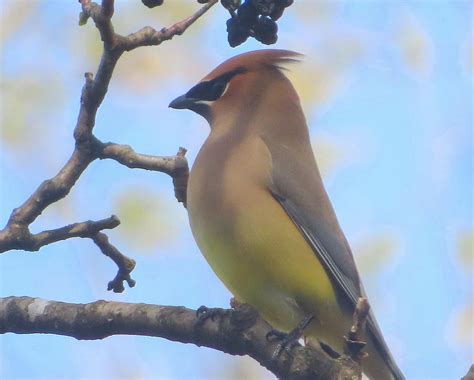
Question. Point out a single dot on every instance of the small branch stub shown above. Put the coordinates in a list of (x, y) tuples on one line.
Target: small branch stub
[(354, 343), (125, 264), (180, 179)]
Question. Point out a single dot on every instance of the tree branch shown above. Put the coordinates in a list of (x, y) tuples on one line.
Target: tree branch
[(16, 234), (102, 18), (239, 331), (125, 155), (33, 242), (470, 374), (148, 36), (176, 166), (125, 264)]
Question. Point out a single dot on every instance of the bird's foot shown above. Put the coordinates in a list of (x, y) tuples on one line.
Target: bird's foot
[(203, 313), (288, 340)]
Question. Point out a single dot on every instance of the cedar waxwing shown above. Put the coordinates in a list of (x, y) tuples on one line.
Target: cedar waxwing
[(260, 213)]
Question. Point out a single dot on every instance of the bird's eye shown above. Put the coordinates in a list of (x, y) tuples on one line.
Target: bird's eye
[(208, 91), (218, 90)]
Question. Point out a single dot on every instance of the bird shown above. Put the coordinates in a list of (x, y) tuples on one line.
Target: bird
[(259, 211)]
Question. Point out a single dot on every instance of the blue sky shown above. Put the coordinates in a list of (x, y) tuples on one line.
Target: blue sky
[(387, 90)]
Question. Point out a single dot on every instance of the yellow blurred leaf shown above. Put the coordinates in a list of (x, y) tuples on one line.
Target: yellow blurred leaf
[(163, 16), (375, 253), (463, 325), (320, 86), (177, 10), (143, 71), (343, 51), (328, 155), (465, 248), (13, 16), (317, 80), (28, 104), (147, 222), (415, 45), (88, 48), (314, 12)]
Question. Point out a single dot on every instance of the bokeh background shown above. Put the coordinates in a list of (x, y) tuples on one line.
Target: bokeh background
[(387, 90)]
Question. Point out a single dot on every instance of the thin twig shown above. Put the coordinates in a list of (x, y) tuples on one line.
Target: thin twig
[(148, 36), (176, 166), (354, 342), (125, 155), (125, 264), (33, 242), (101, 15)]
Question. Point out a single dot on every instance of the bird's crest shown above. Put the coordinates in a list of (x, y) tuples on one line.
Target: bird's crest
[(254, 61)]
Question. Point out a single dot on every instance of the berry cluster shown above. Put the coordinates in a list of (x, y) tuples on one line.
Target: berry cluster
[(152, 3), (254, 18)]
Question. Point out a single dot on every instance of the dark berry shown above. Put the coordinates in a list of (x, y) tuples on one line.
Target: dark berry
[(266, 30), (267, 39), (231, 5), (284, 3), (277, 12), (247, 14), (264, 7), (236, 32), (152, 3), (265, 25)]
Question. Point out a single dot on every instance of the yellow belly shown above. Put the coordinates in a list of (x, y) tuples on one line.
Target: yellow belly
[(263, 259)]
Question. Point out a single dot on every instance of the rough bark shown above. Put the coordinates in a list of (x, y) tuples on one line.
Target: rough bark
[(237, 331)]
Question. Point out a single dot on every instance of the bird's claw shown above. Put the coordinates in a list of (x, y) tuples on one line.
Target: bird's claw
[(203, 313), (288, 340), (276, 335)]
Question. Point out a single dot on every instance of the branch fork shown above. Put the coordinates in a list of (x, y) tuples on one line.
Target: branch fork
[(16, 234)]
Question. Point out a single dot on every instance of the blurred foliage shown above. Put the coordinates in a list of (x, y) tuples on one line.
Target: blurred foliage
[(163, 16), (460, 328), (87, 49), (14, 17), (135, 70), (172, 61), (319, 78), (415, 45), (31, 106), (316, 12), (329, 154), (465, 251), (375, 252), (147, 222)]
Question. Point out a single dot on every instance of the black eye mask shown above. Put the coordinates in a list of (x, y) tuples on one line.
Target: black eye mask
[(213, 89)]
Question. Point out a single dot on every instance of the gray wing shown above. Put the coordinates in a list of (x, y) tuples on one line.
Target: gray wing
[(349, 284), (297, 186), (349, 287)]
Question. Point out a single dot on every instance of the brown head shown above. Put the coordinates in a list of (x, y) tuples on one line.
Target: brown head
[(240, 83)]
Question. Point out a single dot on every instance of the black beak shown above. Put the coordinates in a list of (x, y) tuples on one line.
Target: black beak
[(182, 102)]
